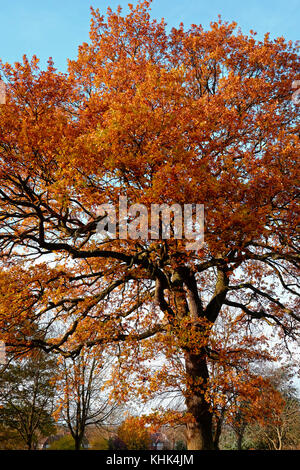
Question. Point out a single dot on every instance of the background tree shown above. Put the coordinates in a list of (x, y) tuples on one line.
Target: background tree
[(241, 392), (27, 399), (82, 398), (159, 117), (282, 429), (133, 433), (282, 433)]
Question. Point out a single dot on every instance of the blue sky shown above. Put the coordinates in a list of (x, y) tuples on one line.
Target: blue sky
[(56, 27)]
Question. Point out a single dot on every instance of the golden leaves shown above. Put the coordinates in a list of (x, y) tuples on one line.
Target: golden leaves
[(182, 117)]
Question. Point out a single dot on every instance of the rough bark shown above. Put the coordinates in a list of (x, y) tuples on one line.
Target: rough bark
[(199, 429), (218, 431), (78, 442)]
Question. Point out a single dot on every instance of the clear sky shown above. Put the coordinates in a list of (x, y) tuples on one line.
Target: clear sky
[(56, 27)]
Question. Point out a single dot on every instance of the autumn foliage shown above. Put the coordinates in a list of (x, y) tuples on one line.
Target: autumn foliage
[(134, 434), (186, 116)]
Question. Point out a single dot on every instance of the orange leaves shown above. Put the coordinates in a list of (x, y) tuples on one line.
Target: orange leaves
[(34, 122), (193, 334), (193, 115), (163, 416), (186, 117), (134, 434)]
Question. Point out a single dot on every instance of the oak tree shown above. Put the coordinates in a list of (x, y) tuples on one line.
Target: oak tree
[(27, 400), (157, 116)]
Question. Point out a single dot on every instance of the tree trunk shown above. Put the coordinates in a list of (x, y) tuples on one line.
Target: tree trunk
[(199, 429), (29, 444), (28, 440), (188, 303), (218, 431), (78, 442), (239, 441)]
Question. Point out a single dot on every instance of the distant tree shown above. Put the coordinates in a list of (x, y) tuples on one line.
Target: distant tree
[(282, 430), (82, 400), (241, 394), (27, 398), (134, 434), (285, 433)]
